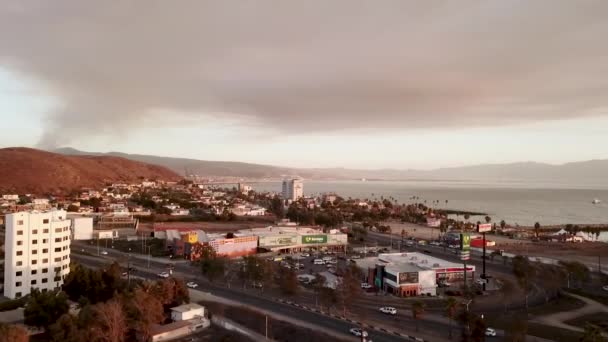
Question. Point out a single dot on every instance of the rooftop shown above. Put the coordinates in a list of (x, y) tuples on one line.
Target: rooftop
[(406, 262), (187, 307)]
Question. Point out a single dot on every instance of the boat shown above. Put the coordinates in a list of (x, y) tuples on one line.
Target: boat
[(596, 201)]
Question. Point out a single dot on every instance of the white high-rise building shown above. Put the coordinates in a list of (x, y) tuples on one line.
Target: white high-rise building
[(293, 189), (36, 251)]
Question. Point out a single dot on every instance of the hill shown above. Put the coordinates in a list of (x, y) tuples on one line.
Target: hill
[(593, 172), (26, 170)]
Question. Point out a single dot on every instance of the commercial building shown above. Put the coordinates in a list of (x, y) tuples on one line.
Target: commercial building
[(293, 189), (37, 251), (410, 274), (296, 238)]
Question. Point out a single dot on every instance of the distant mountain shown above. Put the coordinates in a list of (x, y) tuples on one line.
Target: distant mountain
[(586, 172), (26, 170)]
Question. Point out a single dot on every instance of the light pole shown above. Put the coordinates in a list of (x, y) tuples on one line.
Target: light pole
[(148, 255), (129, 268)]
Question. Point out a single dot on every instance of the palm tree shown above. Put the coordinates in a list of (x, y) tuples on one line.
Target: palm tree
[(503, 224), (536, 229), (488, 219), (418, 309), (450, 309)]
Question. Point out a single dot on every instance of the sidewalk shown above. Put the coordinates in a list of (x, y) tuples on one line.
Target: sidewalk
[(557, 319)]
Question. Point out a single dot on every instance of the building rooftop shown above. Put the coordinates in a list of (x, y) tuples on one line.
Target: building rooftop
[(187, 307), (406, 262), (274, 230)]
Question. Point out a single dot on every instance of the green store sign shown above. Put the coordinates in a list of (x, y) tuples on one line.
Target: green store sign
[(314, 239)]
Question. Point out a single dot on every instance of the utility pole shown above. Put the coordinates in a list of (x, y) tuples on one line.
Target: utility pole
[(267, 327), (129, 268), (485, 281), (149, 256)]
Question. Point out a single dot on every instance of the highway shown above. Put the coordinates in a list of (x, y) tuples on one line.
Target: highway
[(245, 298)]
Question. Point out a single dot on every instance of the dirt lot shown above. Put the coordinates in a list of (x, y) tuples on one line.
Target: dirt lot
[(585, 252)]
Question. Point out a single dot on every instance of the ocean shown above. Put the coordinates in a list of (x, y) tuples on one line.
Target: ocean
[(516, 203)]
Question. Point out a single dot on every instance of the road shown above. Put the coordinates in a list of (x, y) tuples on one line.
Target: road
[(245, 298)]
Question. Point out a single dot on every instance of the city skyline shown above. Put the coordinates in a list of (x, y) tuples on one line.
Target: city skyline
[(403, 85)]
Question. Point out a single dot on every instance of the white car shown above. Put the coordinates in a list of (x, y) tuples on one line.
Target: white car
[(163, 275), (481, 282), (490, 332), (366, 286), (318, 262), (388, 310), (304, 255), (605, 288), (192, 284), (104, 253), (358, 332)]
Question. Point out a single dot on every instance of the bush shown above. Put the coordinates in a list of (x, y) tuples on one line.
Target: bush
[(13, 304)]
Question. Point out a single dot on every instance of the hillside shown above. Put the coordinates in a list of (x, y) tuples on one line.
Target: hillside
[(25, 170), (584, 173)]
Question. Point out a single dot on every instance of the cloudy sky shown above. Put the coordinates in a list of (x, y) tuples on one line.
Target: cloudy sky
[(369, 84)]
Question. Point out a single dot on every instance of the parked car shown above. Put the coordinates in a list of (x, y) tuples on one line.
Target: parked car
[(444, 284), (480, 281), (435, 243), (304, 255), (163, 275), (490, 332), (388, 310), (125, 274), (605, 288), (318, 262), (358, 332), (366, 286), (192, 284), (355, 256), (104, 252)]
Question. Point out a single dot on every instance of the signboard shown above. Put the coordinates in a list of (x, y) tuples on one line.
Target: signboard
[(310, 239), (281, 240), (465, 242), (484, 227), (408, 278), (465, 255)]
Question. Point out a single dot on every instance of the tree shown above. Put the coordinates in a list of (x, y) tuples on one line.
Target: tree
[(145, 310), (503, 224), (479, 329), (506, 290), (110, 321), (288, 280), (73, 208), (45, 308), (212, 266), (13, 333), (524, 272), (66, 329), (418, 310), (537, 229), (488, 219), (349, 287), (575, 271), (451, 305), (592, 333)]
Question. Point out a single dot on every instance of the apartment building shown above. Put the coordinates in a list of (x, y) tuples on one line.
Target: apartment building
[(37, 251), (293, 189)]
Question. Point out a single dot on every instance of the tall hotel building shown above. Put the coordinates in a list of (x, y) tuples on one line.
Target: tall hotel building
[(37, 251), (293, 189)]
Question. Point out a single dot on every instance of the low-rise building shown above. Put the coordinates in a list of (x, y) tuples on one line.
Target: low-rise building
[(187, 311)]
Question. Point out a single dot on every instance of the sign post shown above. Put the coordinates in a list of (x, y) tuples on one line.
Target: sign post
[(483, 228), (465, 254)]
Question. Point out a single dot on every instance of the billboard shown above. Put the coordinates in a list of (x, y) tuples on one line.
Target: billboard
[(484, 227), (465, 242), (278, 240), (337, 239), (433, 222), (408, 278), (312, 239)]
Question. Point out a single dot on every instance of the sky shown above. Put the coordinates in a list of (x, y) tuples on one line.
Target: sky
[(343, 83)]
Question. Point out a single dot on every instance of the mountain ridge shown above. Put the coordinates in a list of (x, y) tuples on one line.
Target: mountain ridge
[(595, 170)]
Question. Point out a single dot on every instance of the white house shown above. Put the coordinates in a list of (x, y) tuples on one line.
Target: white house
[(187, 311)]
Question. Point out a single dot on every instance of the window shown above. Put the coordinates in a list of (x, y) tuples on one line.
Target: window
[(45, 250), (65, 238), (58, 249), (34, 251), (45, 280), (57, 259), (18, 274), (20, 222), (65, 257), (57, 230), (34, 272), (57, 239), (45, 260), (34, 242), (45, 231), (65, 229), (34, 262), (19, 263), (18, 284), (45, 221), (65, 248), (18, 294), (34, 231), (19, 243), (45, 270), (64, 267), (57, 278), (19, 253), (20, 232), (57, 269), (33, 282)]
